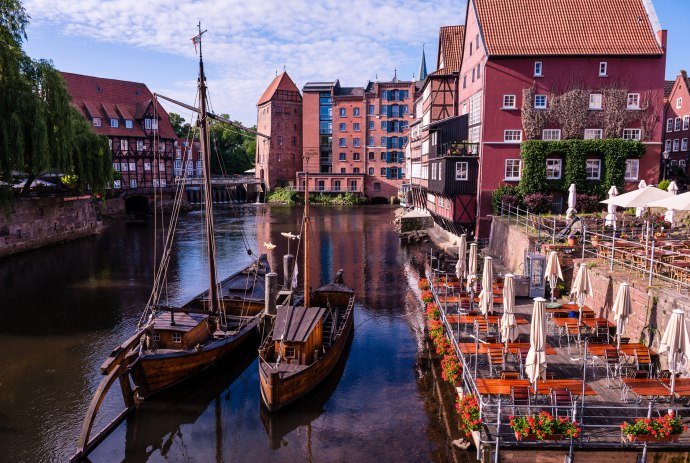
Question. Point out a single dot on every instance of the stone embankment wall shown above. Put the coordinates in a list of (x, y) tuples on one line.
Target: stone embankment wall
[(113, 207), (34, 223), (509, 243)]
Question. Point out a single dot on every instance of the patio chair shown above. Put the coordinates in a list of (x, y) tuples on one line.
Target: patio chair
[(561, 398), (601, 330), (521, 356), (632, 374), (643, 361), (571, 331), (520, 396), (497, 361), (612, 361), (510, 374)]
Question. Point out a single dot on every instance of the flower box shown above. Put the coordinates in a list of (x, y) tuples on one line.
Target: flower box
[(534, 438), (649, 438)]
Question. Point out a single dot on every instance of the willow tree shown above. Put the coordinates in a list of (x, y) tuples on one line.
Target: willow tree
[(39, 130)]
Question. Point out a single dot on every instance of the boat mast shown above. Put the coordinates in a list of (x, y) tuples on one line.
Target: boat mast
[(213, 301), (306, 238)]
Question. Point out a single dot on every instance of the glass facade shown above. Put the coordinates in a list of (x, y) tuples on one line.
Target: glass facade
[(326, 131)]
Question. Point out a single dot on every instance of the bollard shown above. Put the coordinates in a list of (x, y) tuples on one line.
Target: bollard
[(271, 293), (288, 264)]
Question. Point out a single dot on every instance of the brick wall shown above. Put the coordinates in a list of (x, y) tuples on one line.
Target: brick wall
[(509, 245), (618, 456), (34, 223)]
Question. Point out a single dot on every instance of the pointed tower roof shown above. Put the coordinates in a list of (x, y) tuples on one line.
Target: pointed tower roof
[(281, 82), (422, 66)]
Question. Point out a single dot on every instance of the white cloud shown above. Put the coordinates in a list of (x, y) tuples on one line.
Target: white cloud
[(247, 41)]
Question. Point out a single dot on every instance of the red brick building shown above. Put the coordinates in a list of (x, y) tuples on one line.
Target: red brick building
[(676, 128), (143, 143), (279, 115), (519, 56)]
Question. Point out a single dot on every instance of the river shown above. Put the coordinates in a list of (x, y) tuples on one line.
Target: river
[(64, 308)]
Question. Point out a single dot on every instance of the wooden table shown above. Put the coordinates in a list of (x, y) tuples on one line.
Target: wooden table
[(597, 350), (629, 348), (513, 347), (492, 319), (567, 308), (592, 322), (491, 386), (561, 322), (682, 388), (497, 300), (644, 387)]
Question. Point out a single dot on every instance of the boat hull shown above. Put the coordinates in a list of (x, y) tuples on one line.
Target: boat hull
[(152, 373), (277, 392)]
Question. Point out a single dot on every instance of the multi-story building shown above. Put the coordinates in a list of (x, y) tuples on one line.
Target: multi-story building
[(521, 56), (354, 137), (676, 129), (142, 139), (279, 115)]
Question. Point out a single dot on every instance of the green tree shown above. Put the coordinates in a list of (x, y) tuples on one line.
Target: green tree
[(232, 150), (180, 127)]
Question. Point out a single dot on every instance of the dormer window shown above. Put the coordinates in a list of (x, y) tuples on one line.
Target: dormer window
[(538, 69), (603, 67), (151, 124), (128, 123), (96, 121), (114, 123), (147, 124)]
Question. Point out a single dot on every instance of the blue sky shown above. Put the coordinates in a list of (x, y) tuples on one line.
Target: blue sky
[(353, 41)]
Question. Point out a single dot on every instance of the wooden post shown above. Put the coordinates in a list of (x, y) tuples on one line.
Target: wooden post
[(288, 267), (271, 293)]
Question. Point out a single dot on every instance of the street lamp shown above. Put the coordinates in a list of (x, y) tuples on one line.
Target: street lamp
[(665, 155)]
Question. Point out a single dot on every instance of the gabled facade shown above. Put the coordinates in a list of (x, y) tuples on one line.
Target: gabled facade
[(279, 115), (142, 139), (676, 127), (519, 56)]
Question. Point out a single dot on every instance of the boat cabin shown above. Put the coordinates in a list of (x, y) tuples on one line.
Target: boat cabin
[(298, 334), (188, 330)]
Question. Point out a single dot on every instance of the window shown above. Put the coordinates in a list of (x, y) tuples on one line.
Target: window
[(353, 185), (679, 103), (147, 166), (372, 141), (110, 144), (631, 134), (632, 169), (117, 184), (342, 142), (342, 127), (177, 337), (540, 101), (156, 183), (669, 124), (321, 185), (551, 134), (602, 68), (383, 171), (512, 136), (355, 142), (461, 170), (355, 126), (372, 126), (384, 141), (384, 110), (686, 122), (512, 169), (133, 183), (676, 145), (383, 155), (371, 171), (372, 109), (355, 157), (433, 171), (114, 122), (343, 170), (553, 169), (371, 155), (342, 157), (161, 166), (595, 100), (593, 169), (684, 144), (140, 145), (123, 145), (147, 124), (355, 170), (633, 101), (377, 186), (343, 112), (128, 124), (473, 71), (537, 69), (479, 70), (440, 202), (154, 124), (593, 134), (464, 81), (508, 101), (667, 145), (125, 166), (678, 124), (355, 112)]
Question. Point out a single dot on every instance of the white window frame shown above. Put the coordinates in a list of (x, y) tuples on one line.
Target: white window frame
[(512, 162), (684, 144), (679, 102), (509, 136), (115, 123), (156, 183), (538, 69), (462, 170), (176, 338), (678, 124), (676, 145), (116, 166), (140, 145), (632, 134), (596, 162), (543, 104), (633, 101), (129, 124), (117, 183), (593, 134), (132, 182), (124, 146), (433, 170), (147, 124), (629, 163), (147, 166), (603, 68), (164, 183), (595, 100), (669, 125), (96, 121), (551, 134), (556, 169), (667, 145), (132, 166), (125, 166), (686, 122), (509, 102)]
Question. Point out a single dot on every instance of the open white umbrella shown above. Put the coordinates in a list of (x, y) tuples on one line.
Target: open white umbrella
[(621, 309), (582, 287), (461, 266), (472, 266), (640, 210), (535, 363), (572, 198), (508, 322), (676, 341), (677, 202), (553, 272), (486, 297), (610, 220)]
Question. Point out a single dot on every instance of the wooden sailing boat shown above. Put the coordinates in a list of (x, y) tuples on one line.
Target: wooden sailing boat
[(173, 344), (306, 341)]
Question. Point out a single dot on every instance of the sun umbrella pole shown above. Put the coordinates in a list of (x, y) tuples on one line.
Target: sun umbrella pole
[(651, 264), (613, 248)]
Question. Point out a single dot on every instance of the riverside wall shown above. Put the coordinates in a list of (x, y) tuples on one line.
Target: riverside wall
[(37, 222), (509, 244)]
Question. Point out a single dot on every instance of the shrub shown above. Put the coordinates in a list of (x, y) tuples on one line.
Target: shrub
[(589, 203), (468, 411), (282, 196), (539, 203), (663, 185), (509, 194), (423, 284)]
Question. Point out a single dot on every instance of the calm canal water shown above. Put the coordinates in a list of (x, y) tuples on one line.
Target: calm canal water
[(63, 309)]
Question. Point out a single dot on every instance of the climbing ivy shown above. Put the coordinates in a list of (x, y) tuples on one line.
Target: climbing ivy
[(574, 153)]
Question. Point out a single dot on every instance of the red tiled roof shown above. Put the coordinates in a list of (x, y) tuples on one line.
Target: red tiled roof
[(281, 82), (98, 97), (566, 27), (450, 43)]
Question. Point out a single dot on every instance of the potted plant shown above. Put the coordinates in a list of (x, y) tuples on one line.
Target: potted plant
[(427, 296), (595, 240), (467, 407), (443, 346), (665, 428), (432, 311), (423, 284), (435, 328), (572, 240), (544, 426), (451, 368)]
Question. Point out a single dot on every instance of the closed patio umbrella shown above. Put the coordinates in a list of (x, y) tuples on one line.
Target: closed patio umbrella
[(472, 266), (572, 198), (640, 210), (508, 322), (535, 363), (553, 272), (610, 220), (486, 297), (461, 266), (621, 309), (676, 341), (582, 287)]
